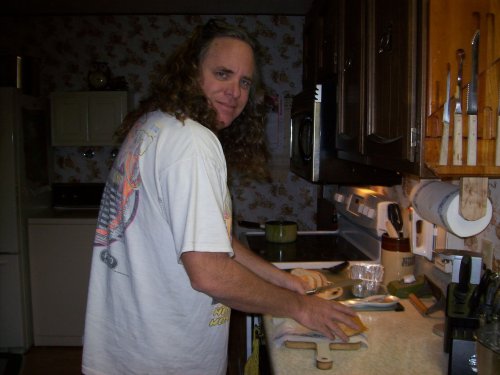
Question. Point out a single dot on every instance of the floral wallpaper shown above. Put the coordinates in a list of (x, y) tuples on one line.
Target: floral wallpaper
[(66, 46)]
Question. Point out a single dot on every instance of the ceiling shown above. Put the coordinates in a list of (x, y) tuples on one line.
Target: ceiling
[(264, 7)]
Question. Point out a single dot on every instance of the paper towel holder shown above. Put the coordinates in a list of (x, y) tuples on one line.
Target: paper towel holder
[(438, 203), (473, 197)]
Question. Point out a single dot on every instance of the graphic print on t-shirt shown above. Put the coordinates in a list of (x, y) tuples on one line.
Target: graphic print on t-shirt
[(121, 194)]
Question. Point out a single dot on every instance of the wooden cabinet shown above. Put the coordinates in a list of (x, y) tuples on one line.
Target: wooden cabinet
[(378, 80), (351, 78), (60, 253), (451, 26), (88, 118), (320, 43), (394, 28)]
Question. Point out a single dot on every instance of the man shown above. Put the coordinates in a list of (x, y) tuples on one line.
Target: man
[(165, 269)]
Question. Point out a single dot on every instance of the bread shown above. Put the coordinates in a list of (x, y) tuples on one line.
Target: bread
[(312, 277), (351, 332)]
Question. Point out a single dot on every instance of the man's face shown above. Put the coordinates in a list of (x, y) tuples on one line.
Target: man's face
[(226, 77)]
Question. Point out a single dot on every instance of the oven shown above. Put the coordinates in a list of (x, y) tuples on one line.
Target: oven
[(362, 214), (77, 196)]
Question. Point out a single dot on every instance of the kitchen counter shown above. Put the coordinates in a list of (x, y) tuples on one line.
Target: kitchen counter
[(398, 343), (64, 216)]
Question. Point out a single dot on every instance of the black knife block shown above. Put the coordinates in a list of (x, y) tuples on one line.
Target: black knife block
[(460, 324), (458, 315)]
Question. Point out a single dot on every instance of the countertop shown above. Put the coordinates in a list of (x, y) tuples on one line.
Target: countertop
[(64, 216), (398, 343)]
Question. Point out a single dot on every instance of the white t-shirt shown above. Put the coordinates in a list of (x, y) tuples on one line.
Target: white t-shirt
[(166, 194)]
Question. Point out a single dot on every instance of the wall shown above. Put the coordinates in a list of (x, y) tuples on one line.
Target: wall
[(132, 45)]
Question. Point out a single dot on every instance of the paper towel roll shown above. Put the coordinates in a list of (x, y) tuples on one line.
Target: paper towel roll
[(438, 202)]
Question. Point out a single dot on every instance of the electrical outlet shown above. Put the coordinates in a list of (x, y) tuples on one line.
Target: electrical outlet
[(487, 252)]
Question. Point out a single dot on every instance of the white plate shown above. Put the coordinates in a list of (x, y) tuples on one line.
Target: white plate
[(379, 300)]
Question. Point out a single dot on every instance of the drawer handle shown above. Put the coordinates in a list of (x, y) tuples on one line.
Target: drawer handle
[(385, 43)]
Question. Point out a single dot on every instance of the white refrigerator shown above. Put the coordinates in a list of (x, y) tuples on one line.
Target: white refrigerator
[(24, 191)]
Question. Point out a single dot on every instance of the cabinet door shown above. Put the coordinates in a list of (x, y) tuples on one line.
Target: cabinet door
[(60, 257), (11, 309), (320, 43), (106, 112), (351, 118), (69, 119), (391, 82)]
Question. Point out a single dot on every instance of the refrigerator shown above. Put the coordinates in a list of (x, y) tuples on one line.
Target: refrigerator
[(24, 192)]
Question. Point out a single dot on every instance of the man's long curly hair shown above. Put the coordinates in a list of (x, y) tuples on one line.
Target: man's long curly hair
[(175, 89)]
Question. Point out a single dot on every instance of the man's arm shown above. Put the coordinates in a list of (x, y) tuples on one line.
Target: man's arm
[(235, 285), (266, 270)]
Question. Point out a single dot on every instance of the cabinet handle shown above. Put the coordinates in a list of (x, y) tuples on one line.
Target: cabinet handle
[(385, 43), (381, 140), (347, 64)]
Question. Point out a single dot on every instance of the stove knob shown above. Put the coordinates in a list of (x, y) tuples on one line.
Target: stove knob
[(339, 197), (371, 213)]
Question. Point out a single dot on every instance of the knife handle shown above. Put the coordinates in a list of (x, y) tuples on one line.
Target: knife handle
[(472, 141), (457, 139), (443, 153), (497, 148)]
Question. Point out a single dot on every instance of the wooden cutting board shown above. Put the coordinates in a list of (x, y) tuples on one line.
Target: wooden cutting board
[(323, 349)]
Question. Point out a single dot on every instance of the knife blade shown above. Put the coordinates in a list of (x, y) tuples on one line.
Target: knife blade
[(472, 103), (457, 117), (338, 284), (497, 149), (443, 152)]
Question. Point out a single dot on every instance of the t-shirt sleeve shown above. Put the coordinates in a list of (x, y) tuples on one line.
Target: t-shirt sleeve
[(197, 205)]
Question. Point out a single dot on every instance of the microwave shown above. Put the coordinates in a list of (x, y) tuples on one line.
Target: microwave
[(313, 154)]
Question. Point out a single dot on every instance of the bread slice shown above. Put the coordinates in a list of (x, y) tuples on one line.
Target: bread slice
[(351, 332), (312, 277)]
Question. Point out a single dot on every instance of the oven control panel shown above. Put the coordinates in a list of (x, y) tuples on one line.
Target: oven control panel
[(363, 207)]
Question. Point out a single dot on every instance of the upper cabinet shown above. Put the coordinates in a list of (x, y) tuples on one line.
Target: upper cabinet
[(87, 118), (320, 44), (352, 49), (390, 60), (378, 82)]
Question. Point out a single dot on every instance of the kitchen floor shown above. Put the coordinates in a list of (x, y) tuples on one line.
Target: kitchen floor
[(52, 361)]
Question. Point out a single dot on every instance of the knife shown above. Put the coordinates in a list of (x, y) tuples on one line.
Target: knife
[(394, 216), (472, 103), (462, 288), (339, 284), (457, 117), (478, 293), (489, 298), (443, 153), (497, 154)]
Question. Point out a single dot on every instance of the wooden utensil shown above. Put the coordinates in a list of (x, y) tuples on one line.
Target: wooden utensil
[(323, 349), (457, 117), (497, 148), (443, 152), (473, 197)]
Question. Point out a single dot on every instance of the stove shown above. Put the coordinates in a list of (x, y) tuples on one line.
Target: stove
[(312, 249), (362, 214)]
